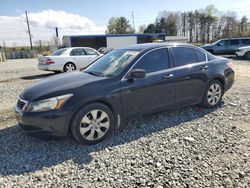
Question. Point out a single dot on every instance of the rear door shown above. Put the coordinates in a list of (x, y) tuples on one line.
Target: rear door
[(191, 74), (234, 44), (91, 54), (154, 92)]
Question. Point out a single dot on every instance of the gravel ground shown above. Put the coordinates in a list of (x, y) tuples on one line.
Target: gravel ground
[(190, 147)]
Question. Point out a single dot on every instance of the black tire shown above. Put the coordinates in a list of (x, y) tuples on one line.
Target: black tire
[(69, 67), (77, 124), (247, 56), (206, 101)]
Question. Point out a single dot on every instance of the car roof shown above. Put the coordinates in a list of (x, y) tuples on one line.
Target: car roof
[(235, 38), (149, 46)]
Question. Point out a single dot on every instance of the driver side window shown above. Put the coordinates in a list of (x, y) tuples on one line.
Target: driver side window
[(154, 61)]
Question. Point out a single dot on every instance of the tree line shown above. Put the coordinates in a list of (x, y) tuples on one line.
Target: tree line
[(200, 26)]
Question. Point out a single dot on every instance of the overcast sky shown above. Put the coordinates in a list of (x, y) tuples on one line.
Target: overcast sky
[(90, 17)]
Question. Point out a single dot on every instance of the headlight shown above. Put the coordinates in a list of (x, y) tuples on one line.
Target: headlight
[(48, 104)]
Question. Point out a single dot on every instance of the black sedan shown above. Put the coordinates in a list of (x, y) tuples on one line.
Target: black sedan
[(125, 83)]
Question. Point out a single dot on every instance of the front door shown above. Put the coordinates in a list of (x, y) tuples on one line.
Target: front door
[(153, 93), (222, 47)]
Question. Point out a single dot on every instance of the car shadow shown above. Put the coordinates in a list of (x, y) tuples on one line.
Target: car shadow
[(21, 153), (34, 77)]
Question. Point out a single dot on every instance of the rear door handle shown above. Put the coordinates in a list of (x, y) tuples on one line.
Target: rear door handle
[(168, 76), (205, 67)]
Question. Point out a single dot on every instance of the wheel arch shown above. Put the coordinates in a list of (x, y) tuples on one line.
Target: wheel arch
[(68, 63), (103, 102), (221, 80)]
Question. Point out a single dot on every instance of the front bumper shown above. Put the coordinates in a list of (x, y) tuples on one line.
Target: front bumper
[(239, 53), (51, 124)]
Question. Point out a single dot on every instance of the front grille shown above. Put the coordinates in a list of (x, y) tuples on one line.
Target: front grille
[(21, 104)]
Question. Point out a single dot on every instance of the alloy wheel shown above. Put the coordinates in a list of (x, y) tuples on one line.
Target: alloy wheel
[(94, 125), (214, 94), (69, 67)]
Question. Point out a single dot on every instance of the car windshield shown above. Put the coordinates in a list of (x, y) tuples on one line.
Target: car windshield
[(59, 52), (112, 64)]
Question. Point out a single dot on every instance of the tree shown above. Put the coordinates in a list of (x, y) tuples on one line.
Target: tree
[(150, 29), (243, 26), (142, 28), (119, 25)]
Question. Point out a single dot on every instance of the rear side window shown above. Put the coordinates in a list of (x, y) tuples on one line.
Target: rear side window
[(246, 41), (77, 52), (154, 61), (200, 56), (234, 42), (184, 56), (59, 52)]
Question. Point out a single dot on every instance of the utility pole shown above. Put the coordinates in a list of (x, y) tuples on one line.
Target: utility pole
[(4, 48), (133, 19), (28, 25), (56, 31)]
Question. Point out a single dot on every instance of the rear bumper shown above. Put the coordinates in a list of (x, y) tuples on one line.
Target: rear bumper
[(229, 79), (44, 124), (51, 67)]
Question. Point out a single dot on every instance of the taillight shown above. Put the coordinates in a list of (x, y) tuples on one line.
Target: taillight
[(49, 61)]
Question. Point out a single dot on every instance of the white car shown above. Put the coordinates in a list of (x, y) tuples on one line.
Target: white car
[(243, 52), (68, 59)]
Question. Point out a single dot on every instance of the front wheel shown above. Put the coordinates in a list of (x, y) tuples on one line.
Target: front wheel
[(213, 94), (92, 124)]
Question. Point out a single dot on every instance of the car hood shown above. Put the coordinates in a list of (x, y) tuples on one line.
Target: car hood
[(58, 83), (206, 45)]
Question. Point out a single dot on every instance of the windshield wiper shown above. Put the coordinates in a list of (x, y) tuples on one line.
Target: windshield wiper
[(94, 73)]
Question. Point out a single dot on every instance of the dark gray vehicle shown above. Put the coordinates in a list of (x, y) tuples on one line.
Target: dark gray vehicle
[(123, 84), (226, 46)]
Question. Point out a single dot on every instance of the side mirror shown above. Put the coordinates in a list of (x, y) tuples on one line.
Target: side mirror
[(136, 73)]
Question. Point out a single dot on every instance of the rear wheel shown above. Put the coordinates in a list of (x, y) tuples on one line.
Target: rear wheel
[(247, 56), (213, 94), (92, 124), (69, 67), (211, 51)]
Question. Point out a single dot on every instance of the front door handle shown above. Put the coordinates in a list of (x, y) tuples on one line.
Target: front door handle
[(168, 76), (205, 67)]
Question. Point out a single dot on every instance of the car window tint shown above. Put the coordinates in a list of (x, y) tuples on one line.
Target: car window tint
[(154, 61), (201, 56), (59, 52), (184, 56), (77, 52), (90, 51), (246, 41), (222, 43), (234, 42)]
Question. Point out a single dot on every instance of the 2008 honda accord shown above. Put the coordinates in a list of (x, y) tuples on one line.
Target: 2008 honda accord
[(125, 83)]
